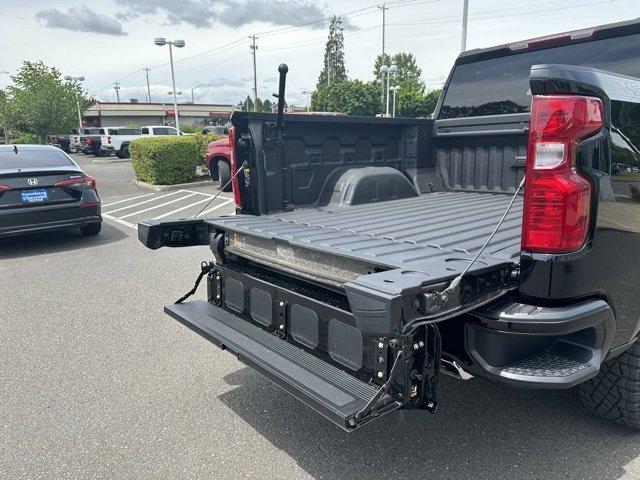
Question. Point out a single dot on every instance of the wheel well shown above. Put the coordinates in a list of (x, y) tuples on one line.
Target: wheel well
[(213, 163)]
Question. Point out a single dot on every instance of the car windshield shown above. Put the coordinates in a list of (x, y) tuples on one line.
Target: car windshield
[(30, 158), (501, 85)]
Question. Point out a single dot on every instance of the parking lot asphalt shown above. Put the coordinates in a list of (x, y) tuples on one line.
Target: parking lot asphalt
[(96, 382)]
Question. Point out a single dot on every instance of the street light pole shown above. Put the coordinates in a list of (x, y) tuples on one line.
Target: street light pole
[(178, 44), (308, 94), (78, 80), (394, 90), (465, 17), (146, 70), (173, 84), (116, 87), (390, 70), (196, 87)]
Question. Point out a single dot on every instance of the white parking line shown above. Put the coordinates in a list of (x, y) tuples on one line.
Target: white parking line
[(157, 206), (181, 208), (125, 200), (143, 202), (216, 207), (123, 222)]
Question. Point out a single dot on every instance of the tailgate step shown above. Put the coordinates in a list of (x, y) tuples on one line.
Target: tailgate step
[(327, 389)]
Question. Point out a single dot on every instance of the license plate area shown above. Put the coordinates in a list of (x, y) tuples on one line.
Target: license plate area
[(324, 327), (35, 195)]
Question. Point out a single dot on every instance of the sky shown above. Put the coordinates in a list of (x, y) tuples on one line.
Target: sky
[(112, 40)]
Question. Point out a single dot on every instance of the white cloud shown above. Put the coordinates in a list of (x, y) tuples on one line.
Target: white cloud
[(80, 19)]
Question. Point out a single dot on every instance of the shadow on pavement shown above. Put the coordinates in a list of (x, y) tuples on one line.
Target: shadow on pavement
[(56, 241), (482, 431)]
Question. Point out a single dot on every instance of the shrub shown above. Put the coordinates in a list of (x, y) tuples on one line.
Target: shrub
[(165, 160), (635, 193), (191, 128), (202, 140), (24, 138)]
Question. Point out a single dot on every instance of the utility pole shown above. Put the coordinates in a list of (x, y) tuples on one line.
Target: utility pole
[(465, 15), (146, 70), (384, 9), (116, 87), (253, 48)]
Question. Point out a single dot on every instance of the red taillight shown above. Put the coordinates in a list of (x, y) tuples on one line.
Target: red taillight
[(108, 139), (82, 183), (557, 198), (234, 167), (87, 141), (4, 188)]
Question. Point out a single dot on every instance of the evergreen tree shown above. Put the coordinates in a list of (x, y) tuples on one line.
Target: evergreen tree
[(258, 105), (334, 70)]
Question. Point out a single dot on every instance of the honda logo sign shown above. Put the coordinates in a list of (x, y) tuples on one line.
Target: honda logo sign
[(32, 182)]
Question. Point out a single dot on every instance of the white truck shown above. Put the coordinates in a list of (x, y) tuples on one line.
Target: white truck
[(158, 131), (117, 140)]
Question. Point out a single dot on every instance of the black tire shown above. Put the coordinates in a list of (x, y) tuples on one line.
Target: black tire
[(614, 394), (91, 229), (125, 152), (224, 174)]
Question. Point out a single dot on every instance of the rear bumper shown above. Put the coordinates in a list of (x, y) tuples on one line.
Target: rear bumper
[(20, 221), (540, 347)]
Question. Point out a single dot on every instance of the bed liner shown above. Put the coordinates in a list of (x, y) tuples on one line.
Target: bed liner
[(396, 233)]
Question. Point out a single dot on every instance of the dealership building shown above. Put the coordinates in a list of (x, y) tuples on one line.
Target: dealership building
[(112, 114)]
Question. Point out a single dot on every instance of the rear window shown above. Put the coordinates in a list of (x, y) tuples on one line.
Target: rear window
[(127, 131), (501, 85), (44, 158), (91, 131)]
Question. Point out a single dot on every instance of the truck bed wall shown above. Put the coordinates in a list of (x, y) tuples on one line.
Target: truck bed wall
[(482, 154)]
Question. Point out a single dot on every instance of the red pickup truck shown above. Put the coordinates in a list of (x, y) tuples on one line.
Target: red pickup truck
[(219, 163)]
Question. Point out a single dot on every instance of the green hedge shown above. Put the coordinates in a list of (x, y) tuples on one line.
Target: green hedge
[(168, 160)]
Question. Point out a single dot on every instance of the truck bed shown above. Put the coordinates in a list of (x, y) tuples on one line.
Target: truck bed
[(391, 234)]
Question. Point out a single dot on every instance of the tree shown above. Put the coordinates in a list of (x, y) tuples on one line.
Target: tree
[(333, 70), (40, 102), (247, 105), (408, 72), (415, 103), (258, 105), (4, 115), (267, 105), (411, 99), (352, 97)]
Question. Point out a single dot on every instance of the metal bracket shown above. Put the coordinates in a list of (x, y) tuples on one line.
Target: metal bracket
[(281, 319), (380, 360), (431, 369), (217, 288)]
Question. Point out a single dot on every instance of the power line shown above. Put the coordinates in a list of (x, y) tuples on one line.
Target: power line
[(365, 11)]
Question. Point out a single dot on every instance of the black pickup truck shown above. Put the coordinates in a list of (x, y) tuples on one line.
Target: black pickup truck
[(370, 255)]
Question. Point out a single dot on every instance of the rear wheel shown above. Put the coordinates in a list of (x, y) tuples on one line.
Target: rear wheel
[(614, 393), (224, 173), (124, 152), (91, 229)]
